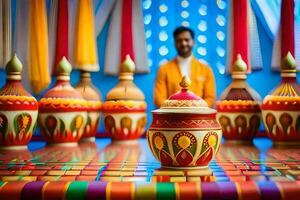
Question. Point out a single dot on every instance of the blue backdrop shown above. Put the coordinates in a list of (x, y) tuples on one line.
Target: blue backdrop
[(208, 19)]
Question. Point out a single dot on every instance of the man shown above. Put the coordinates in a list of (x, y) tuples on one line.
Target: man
[(170, 74)]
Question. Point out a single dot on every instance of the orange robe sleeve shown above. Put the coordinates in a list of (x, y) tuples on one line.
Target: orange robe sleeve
[(160, 88), (209, 93)]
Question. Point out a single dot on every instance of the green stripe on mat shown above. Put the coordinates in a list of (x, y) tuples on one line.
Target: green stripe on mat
[(77, 190), (1, 183), (145, 191), (165, 191)]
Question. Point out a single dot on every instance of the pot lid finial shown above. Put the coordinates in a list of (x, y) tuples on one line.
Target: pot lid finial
[(185, 82)]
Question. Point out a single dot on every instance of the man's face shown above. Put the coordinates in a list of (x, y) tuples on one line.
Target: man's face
[(184, 44)]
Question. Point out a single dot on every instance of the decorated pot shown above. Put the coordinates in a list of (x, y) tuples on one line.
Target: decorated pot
[(124, 110), (184, 132), (93, 98), (239, 106), (18, 109), (281, 108), (62, 110)]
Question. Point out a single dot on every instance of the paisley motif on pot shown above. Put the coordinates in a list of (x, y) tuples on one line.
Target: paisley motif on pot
[(184, 145), (209, 147), (110, 124), (3, 125), (162, 149), (286, 121), (76, 124), (51, 124), (22, 124), (225, 123), (241, 124)]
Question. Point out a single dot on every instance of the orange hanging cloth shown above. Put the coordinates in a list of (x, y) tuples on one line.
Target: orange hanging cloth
[(38, 46), (85, 41)]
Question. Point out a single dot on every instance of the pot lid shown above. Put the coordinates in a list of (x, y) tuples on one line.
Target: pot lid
[(62, 97), (239, 91), (14, 87), (185, 101), (63, 88), (126, 89), (13, 95), (86, 88)]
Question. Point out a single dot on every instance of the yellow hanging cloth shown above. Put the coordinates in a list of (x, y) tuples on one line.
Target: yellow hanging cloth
[(85, 41), (38, 46), (5, 32)]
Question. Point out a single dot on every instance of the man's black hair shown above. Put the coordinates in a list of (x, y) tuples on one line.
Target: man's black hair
[(181, 29)]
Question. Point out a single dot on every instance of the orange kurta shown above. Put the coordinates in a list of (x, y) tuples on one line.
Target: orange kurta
[(169, 76)]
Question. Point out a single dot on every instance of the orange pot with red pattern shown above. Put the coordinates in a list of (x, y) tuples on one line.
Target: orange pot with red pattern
[(18, 109), (125, 120), (184, 132), (281, 109), (124, 111), (62, 110), (93, 97), (239, 106)]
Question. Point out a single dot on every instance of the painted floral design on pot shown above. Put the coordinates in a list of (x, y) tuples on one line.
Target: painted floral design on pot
[(93, 98), (239, 106), (281, 108), (62, 110), (18, 109), (184, 132), (124, 111)]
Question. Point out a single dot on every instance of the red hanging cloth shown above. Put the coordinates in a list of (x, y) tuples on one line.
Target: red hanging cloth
[(287, 28), (62, 47), (240, 31), (127, 34)]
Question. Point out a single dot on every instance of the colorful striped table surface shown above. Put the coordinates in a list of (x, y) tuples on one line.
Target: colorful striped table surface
[(104, 170)]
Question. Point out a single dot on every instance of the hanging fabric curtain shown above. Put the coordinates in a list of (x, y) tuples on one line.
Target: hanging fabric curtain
[(85, 55), (268, 14), (113, 43), (127, 32), (243, 36), (62, 40), (102, 14), (287, 28), (238, 33), (72, 18), (38, 46), (255, 48), (52, 27), (20, 45), (139, 38), (126, 36), (5, 32), (287, 37)]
